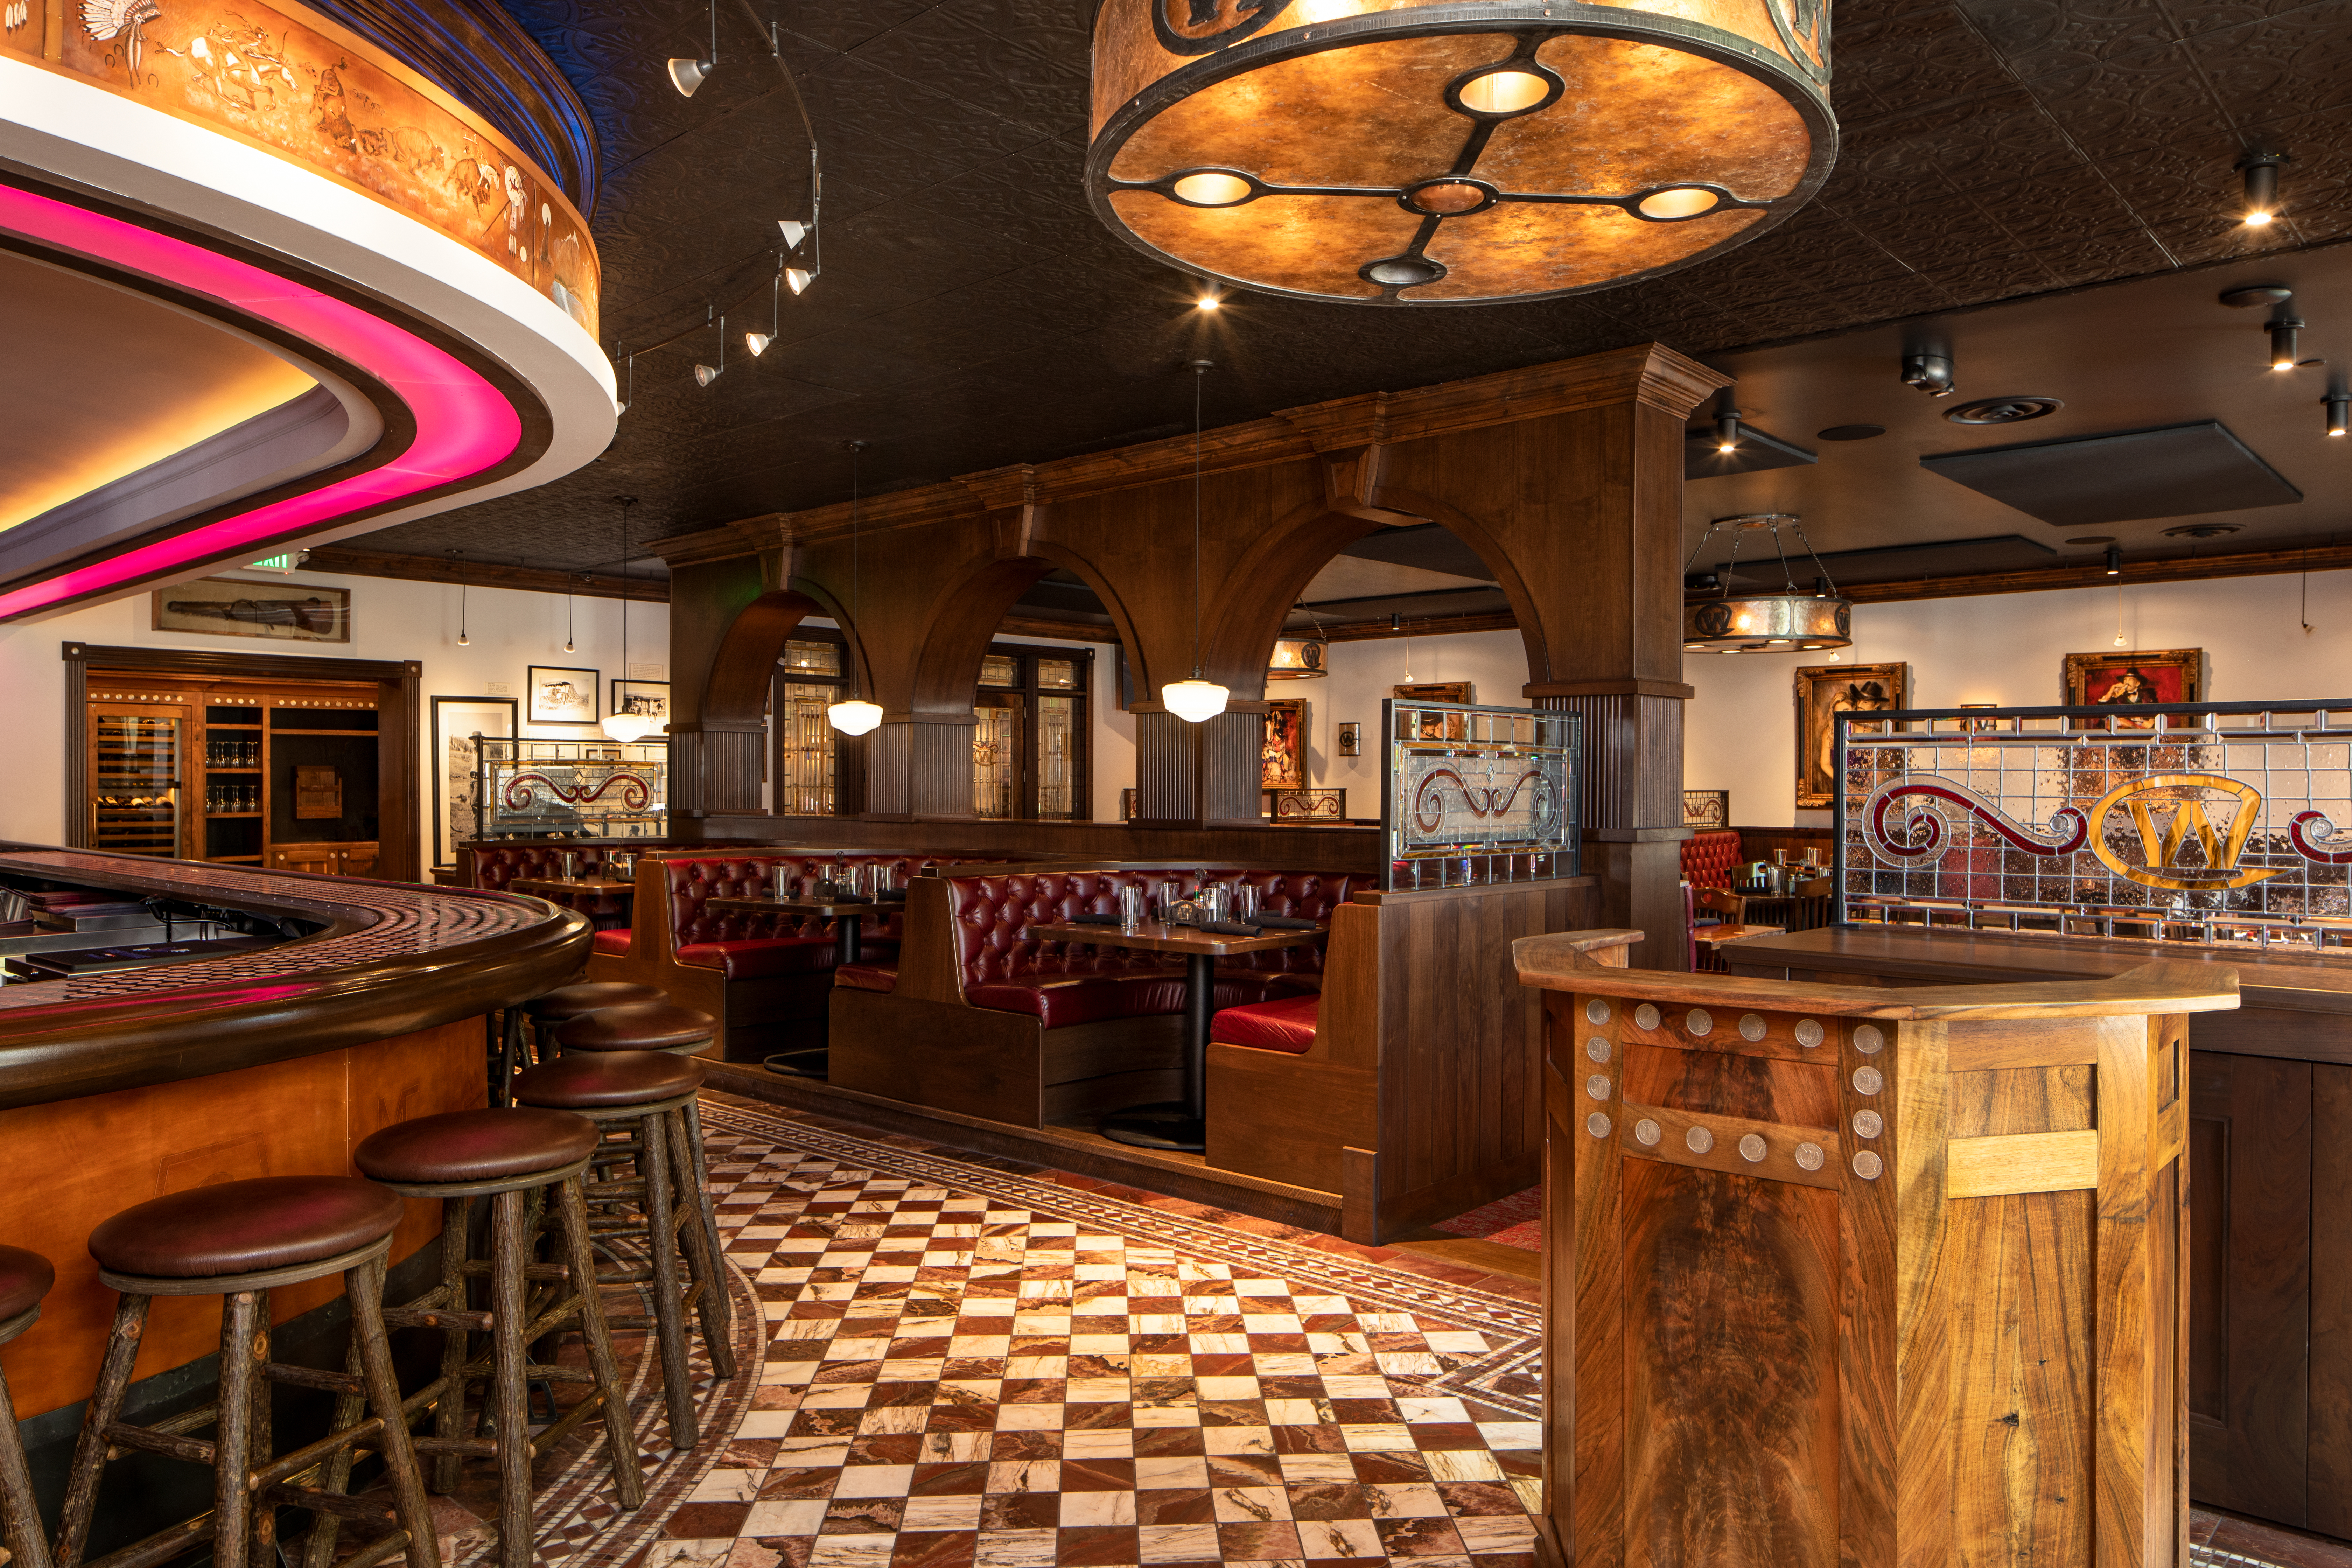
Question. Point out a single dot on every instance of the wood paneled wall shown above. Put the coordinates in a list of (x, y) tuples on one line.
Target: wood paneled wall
[(1566, 478), (1356, 849)]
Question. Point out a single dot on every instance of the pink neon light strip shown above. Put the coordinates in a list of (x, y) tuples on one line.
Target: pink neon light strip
[(463, 424)]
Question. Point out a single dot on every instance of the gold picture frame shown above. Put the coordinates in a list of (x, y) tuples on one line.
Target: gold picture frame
[(2133, 679), (1825, 690), (241, 607), (1282, 761)]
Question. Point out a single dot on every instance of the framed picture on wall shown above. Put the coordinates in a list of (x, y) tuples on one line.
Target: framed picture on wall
[(1284, 758), (460, 723), (2134, 679), (562, 696), (1824, 691), (275, 612), (648, 700)]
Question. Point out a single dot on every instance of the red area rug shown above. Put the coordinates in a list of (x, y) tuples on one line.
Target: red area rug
[(1516, 1221)]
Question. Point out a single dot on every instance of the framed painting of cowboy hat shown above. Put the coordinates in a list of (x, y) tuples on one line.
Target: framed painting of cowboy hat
[(1824, 691)]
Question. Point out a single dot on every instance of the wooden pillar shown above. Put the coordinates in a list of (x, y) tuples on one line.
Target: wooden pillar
[(714, 758)]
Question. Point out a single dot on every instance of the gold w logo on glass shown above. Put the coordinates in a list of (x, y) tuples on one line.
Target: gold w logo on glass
[(2163, 845)]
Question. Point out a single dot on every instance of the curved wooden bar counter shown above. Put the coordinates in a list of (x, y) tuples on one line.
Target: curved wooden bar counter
[(119, 1084), (1847, 1274)]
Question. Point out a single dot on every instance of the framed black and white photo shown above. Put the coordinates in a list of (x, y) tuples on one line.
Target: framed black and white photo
[(459, 725), (562, 696), (648, 700)]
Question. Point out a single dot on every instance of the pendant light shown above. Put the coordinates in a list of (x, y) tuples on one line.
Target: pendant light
[(1784, 622), (1196, 700), (626, 727), (569, 626), (462, 640), (854, 715)]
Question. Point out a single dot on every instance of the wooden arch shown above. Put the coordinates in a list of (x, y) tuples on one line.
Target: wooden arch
[(964, 614)]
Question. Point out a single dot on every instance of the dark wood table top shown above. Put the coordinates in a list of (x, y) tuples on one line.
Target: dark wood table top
[(829, 908), (1157, 936), (560, 885)]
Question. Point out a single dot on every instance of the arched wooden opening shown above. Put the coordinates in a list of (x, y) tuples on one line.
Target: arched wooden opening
[(964, 616)]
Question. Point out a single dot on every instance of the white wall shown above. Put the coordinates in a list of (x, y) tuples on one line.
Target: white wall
[(507, 632), (1739, 732)]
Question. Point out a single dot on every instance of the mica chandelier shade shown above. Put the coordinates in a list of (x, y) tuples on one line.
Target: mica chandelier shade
[(1453, 152)]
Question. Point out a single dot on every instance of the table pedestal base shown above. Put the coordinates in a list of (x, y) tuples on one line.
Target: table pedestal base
[(1168, 1125)]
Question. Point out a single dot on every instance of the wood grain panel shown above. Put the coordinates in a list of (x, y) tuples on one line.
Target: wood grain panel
[(1803, 1094), (1925, 1285), (2330, 1454), (1999, 1042), (1731, 1386), (1597, 1517), (2002, 1101), (1723, 1137), (2021, 1162), (70, 1165), (2022, 1411)]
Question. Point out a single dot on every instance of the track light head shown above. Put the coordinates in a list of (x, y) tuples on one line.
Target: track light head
[(794, 231), (758, 342), (688, 75), (2262, 176), (705, 375), (2114, 560), (1726, 431), (1930, 373), (797, 278), (2339, 404)]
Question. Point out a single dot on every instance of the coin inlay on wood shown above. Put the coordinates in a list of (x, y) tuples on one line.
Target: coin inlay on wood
[(1700, 1139), (1597, 1086), (1868, 1040), (1700, 1022), (1809, 1156), (1597, 1124), (1648, 1131), (1752, 1148), (1867, 1165), (1597, 1011), (1868, 1123), (1646, 1015), (1597, 1049), (1751, 1027), (1868, 1080), (1809, 1033)]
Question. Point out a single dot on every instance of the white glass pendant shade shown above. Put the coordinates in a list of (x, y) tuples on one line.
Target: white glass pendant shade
[(1195, 700), (854, 717), (626, 726)]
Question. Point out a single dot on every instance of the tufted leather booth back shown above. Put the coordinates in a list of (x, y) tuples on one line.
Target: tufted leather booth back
[(695, 880), (1708, 857), (992, 916), (495, 864)]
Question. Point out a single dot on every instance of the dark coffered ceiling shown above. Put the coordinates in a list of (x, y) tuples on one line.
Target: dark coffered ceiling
[(972, 313)]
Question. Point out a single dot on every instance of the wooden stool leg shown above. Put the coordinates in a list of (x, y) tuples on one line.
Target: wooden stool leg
[(661, 1241), (233, 1435), (336, 1474), (702, 1254), (509, 1421), (19, 1514), (258, 1440), (449, 1413), (620, 1436), (364, 1287), (693, 1113), (89, 1449)]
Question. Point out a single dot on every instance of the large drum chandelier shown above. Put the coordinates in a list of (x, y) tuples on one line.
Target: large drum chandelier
[(1788, 621), (1453, 152)]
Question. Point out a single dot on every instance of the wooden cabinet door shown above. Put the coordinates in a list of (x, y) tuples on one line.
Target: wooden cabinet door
[(358, 859), (322, 858), (2249, 1267)]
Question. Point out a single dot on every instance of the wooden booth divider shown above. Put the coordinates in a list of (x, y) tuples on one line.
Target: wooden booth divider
[(1845, 1274)]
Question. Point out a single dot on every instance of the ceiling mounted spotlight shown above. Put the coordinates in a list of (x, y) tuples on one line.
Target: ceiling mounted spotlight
[(2339, 412), (1208, 301), (1428, 151), (2114, 560), (2284, 330), (705, 375), (2004, 410), (758, 342), (2262, 174), (1727, 430), (796, 233), (686, 75), (1930, 373)]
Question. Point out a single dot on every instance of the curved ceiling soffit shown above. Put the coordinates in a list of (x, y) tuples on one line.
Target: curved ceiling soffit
[(742, 671), (941, 672), (465, 428)]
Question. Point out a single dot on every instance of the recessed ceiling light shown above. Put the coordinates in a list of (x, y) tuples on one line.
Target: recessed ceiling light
[(1850, 432), (2201, 529), (2004, 410)]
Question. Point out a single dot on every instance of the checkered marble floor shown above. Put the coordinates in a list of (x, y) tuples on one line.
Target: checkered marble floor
[(972, 1367)]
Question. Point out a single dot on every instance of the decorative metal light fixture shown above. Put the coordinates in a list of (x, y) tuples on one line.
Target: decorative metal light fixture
[(1196, 700), (1297, 658), (1408, 152), (686, 75), (1783, 622), (854, 715), (626, 727)]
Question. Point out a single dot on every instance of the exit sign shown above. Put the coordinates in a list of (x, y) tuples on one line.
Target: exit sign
[(278, 562)]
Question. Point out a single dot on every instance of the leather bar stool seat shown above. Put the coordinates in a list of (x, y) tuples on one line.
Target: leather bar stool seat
[(644, 1026), (608, 1080), (245, 1227), (469, 1146), (25, 1278), (568, 1002)]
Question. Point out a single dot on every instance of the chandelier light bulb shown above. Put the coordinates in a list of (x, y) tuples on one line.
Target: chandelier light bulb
[(1194, 700), (854, 717)]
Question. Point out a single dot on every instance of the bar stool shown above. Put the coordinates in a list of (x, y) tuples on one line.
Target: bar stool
[(643, 1094), (553, 1008), (25, 1278), (654, 1026), (506, 1156), (240, 1241)]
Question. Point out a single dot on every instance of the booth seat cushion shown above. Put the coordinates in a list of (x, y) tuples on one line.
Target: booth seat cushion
[(1235, 988), (1708, 857), (868, 976), (693, 880), (615, 943), (762, 958), (1286, 1023), (1060, 1003)]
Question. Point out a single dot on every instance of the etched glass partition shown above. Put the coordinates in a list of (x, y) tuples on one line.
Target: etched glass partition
[(1474, 795), (572, 789), (2214, 823)]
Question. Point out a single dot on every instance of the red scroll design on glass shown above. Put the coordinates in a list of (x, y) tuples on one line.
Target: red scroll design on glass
[(519, 795), (2321, 843), (1481, 802), (1923, 828)]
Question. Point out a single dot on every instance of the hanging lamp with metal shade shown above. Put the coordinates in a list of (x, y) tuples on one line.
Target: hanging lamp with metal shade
[(854, 715), (1787, 621), (1451, 152)]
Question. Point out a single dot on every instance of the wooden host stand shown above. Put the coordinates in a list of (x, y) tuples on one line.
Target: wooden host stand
[(1908, 1294)]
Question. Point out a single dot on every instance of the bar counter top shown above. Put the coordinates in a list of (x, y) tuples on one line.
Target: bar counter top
[(391, 960)]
